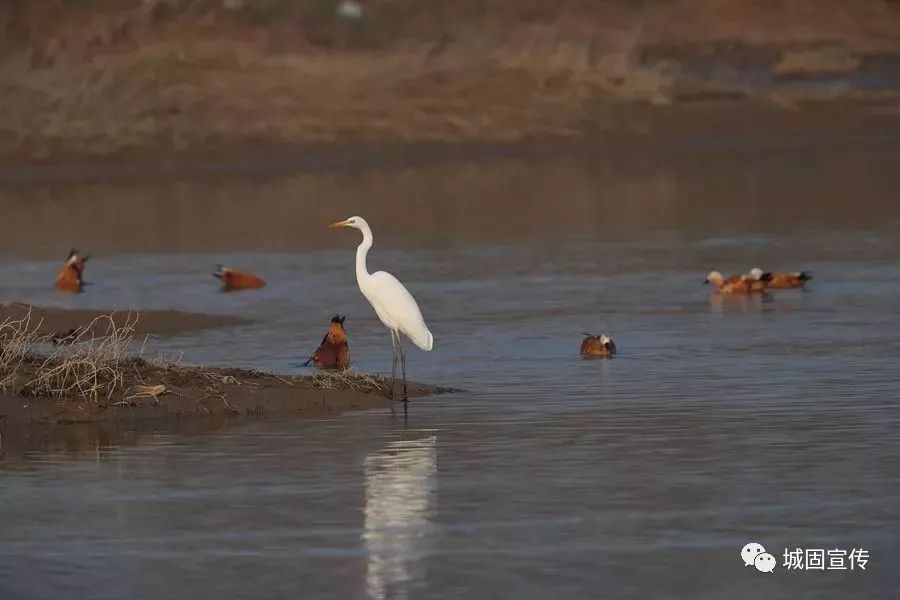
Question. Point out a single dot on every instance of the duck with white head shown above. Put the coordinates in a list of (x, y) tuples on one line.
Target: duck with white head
[(597, 346), (738, 284)]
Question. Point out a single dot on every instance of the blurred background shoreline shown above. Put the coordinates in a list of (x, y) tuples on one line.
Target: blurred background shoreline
[(201, 81)]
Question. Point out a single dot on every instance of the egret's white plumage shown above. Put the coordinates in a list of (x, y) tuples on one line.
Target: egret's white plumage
[(392, 302), (396, 308)]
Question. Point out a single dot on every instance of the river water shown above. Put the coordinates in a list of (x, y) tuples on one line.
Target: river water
[(721, 422)]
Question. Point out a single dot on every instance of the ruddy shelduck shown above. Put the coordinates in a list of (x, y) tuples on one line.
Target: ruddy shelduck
[(69, 278), (334, 351), (597, 346), (797, 279), (237, 280), (738, 284)]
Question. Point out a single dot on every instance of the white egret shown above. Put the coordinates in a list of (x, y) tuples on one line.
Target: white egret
[(392, 302)]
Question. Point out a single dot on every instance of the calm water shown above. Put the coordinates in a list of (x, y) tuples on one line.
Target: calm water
[(774, 419)]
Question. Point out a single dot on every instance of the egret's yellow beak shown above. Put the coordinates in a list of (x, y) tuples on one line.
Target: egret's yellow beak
[(339, 224)]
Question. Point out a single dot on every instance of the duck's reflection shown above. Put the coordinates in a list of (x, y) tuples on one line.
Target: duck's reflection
[(401, 482), (739, 303)]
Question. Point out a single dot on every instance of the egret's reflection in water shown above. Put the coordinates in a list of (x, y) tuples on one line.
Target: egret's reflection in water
[(401, 485)]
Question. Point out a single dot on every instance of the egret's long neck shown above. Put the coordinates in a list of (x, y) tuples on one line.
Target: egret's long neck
[(362, 273)]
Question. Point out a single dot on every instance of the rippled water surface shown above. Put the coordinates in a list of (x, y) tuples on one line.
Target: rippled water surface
[(720, 422)]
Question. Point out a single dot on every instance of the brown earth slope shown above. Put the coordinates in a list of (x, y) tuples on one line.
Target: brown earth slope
[(164, 79)]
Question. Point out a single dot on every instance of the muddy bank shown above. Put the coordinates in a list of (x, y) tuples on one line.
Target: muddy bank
[(161, 393), (95, 373), (49, 321)]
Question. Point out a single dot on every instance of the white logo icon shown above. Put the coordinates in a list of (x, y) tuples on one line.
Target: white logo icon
[(764, 562), (750, 552)]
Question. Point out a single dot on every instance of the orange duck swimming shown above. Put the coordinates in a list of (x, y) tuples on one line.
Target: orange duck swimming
[(597, 346), (797, 279), (333, 352), (738, 284), (69, 277), (237, 280)]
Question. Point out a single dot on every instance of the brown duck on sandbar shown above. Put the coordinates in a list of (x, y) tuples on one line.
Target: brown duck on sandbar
[(333, 352)]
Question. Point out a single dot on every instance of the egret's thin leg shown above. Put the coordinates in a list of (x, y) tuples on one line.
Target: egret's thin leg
[(394, 365), (403, 367)]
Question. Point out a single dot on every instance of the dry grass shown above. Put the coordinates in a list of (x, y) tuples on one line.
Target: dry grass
[(88, 367), (18, 337), (369, 383)]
